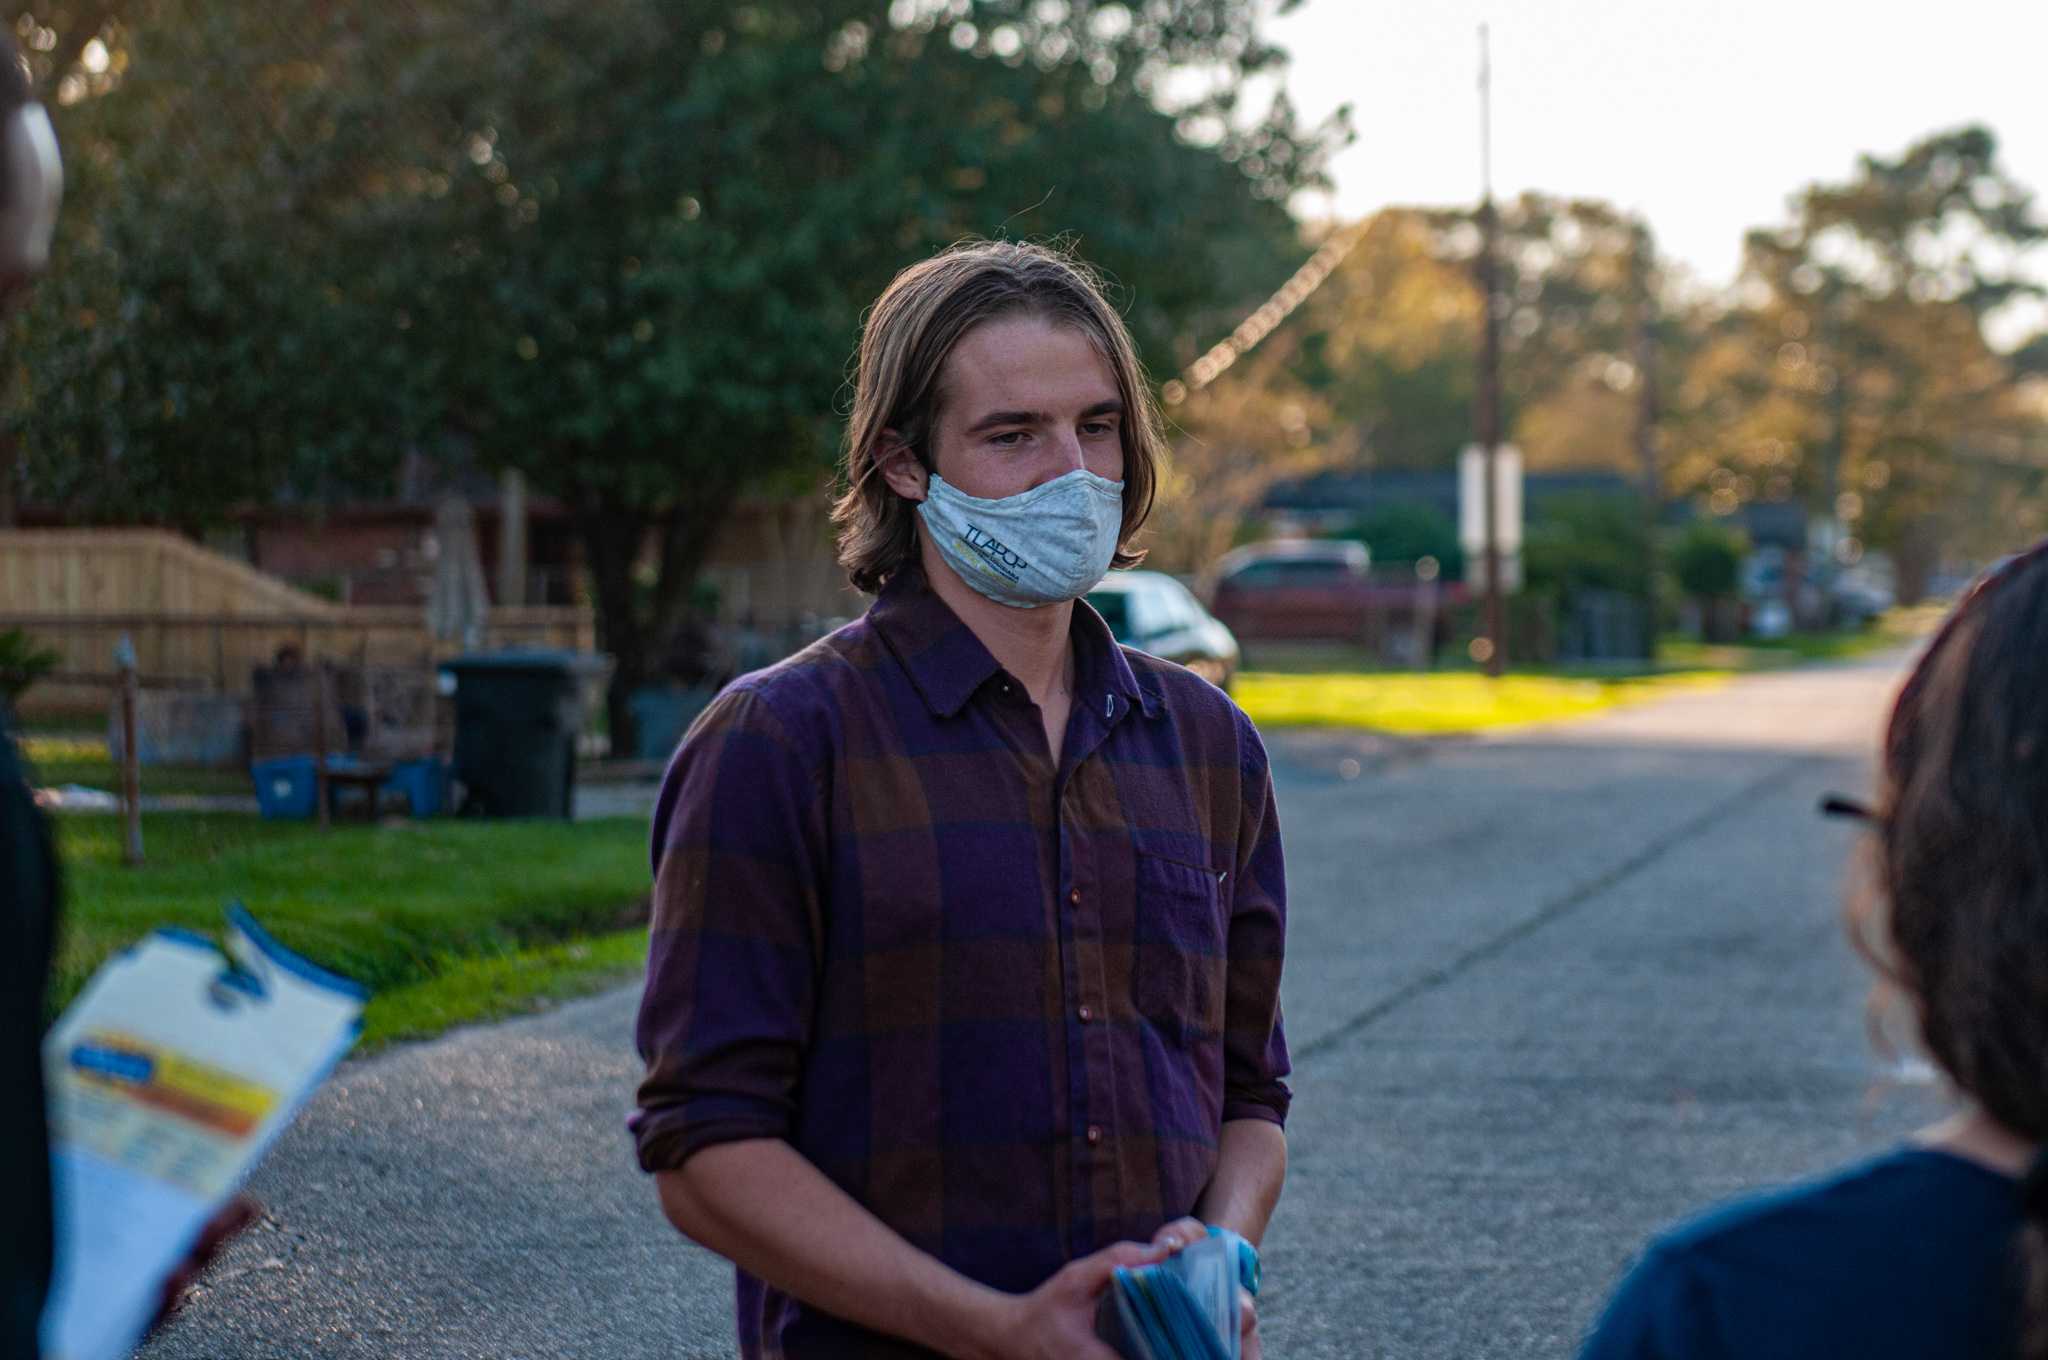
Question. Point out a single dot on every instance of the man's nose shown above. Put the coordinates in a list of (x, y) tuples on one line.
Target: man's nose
[(1068, 455)]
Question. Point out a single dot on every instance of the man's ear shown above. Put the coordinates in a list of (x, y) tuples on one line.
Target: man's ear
[(899, 467)]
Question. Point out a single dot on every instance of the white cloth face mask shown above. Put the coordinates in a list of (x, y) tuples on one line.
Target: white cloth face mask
[(1038, 547)]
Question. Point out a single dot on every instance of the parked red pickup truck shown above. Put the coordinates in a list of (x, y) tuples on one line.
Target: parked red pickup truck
[(1320, 590)]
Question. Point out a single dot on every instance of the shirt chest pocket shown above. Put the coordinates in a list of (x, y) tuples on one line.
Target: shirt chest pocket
[(1179, 947)]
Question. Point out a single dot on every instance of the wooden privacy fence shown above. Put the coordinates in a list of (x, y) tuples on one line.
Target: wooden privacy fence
[(203, 621), (136, 571), (222, 651)]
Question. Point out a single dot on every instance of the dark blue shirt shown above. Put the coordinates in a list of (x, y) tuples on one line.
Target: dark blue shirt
[(1913, 1255)]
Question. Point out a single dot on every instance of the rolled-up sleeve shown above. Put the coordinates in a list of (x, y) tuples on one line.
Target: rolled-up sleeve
[(1255, 1062), (733, 946)]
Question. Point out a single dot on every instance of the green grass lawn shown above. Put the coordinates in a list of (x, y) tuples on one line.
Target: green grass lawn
[(1332, 685), (59, 758), (1443, 702), (446, 921), (493, 986), (1897, 628)]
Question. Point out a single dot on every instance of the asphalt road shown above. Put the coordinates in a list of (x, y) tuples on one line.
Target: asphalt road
[(1545, 991)]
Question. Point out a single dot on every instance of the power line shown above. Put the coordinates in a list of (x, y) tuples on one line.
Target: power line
[(1262, 322)]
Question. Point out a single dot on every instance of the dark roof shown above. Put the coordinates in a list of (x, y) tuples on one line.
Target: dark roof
[(1360, 492), (1768, 524)]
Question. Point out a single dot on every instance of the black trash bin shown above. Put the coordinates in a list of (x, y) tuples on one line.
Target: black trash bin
[(516, 719)]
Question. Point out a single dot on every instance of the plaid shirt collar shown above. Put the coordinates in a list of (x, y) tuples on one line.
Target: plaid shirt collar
[(947, 663)]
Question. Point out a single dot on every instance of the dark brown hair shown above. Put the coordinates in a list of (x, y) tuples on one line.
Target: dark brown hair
[(912, 330), (1960, 919)]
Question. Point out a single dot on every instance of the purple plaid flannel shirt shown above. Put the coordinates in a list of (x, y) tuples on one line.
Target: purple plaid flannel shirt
[(1004, 1006)]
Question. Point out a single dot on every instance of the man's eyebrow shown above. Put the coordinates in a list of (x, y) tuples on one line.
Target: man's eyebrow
[(995, 418), (1112, 407)]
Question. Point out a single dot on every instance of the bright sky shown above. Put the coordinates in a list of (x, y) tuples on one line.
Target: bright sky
[(1703, 115)]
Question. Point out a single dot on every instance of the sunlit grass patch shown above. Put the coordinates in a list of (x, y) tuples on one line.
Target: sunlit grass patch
[(1440, 703)]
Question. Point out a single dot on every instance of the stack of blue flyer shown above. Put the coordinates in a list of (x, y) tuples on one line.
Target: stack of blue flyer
[(1185, 1308)]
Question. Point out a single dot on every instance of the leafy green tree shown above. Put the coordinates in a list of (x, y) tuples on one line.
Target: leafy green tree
[(621, 246), (1855, 372), (676, 271), (1395, 333), (194, 346), (1391, 340)]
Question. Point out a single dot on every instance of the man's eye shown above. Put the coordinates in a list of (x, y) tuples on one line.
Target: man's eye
[(1008, 438), (1097, 429)]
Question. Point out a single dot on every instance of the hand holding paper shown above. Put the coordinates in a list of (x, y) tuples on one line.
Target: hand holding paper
[(1185, 1308), (169, 1076)]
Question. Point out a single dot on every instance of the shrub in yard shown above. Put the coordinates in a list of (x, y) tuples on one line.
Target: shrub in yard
[(1588, 541), (22, 663), (1404, 533), (1707, 560)]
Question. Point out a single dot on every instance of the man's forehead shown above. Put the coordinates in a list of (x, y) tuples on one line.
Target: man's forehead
[(1027, 363)]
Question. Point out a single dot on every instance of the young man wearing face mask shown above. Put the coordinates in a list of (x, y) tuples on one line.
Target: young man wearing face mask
[(963, 986)]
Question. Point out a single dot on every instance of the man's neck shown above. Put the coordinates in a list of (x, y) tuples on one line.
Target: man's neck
[(1035, 645)]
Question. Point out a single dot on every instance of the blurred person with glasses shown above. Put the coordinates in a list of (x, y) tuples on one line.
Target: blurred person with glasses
[(1940, 1247)]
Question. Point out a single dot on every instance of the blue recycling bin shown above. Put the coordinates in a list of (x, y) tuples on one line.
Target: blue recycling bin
[(662, 714), (424, 782), (286, 787)]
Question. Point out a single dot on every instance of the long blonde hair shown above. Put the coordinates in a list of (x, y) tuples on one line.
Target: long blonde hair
[(910, 333)]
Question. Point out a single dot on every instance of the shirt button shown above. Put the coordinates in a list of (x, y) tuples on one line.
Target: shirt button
[(1075, 897), (1094, 1134), (1086, 1014)]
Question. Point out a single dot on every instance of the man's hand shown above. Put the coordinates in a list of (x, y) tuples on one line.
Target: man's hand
[(1185, 1232), (1182, 1232), (1056, 1321)]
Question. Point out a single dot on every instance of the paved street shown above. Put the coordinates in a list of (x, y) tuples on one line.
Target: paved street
[(1545, 991)]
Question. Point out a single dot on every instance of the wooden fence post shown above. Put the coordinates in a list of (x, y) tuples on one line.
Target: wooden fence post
[(131, 755), (320, 701), (1426, 572)]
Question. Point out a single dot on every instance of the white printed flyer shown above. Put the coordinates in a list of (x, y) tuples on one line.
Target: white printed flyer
[(169, 1076)]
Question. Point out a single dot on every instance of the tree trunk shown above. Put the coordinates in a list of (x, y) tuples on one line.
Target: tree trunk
[(10, 477), (636, 631), (612, 538), (687, 537), (1914, 560)]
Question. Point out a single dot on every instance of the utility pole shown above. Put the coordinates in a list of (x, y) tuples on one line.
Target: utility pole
[(1487, 417), (1838, 418), (1643, 263)]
